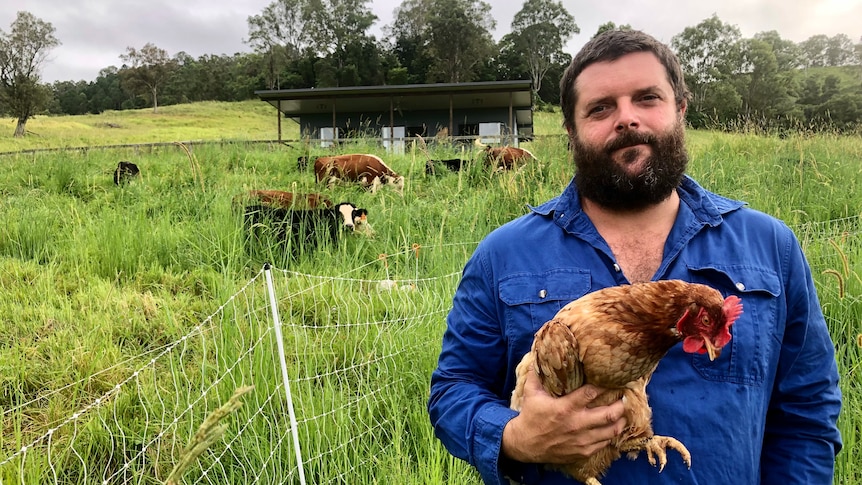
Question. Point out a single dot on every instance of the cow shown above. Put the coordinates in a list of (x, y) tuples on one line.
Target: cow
[(368, 170), (506, 157), (302, 163), (453, 164), (124, 172), (303, 229), (285, 200)]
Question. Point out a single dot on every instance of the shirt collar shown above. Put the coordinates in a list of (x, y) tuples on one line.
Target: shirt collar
[(707, 207)]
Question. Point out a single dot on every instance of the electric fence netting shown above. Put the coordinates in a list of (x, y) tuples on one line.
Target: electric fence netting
[(219, 405), (322, 387)]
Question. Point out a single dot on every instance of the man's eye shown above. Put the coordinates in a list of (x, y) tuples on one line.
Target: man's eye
[(597, 109)]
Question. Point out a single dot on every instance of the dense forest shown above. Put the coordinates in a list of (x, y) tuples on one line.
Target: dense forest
[(764, 81)]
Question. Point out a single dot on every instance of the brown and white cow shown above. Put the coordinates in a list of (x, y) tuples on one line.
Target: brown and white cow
[(506, 157), (368, 170), (287, 200)]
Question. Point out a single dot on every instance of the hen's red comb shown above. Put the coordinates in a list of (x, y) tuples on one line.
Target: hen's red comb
[(732, 309)]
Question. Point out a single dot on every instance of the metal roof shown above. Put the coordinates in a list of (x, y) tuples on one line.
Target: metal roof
[(516, 95)]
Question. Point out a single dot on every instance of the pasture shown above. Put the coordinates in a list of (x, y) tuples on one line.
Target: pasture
[(97, 281)]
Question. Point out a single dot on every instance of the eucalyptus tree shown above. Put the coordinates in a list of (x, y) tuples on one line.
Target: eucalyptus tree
[(612, 26), (840, 51), (709, 54), (788, 54), (279, 34), (408, 38), (337, 26), (768, 93), (147, 70), (23, 51), (539, 31), (459, 39)]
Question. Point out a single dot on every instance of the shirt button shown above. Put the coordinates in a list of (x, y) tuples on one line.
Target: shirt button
[(617, 268), (740, 286), (543, 294)]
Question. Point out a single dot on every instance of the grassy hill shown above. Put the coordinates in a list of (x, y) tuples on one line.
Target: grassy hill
[(248, 120)]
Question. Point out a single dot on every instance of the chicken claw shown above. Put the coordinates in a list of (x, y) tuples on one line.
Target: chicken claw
[(657, 446)]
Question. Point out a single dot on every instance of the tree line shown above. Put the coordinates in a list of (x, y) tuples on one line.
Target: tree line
[(764, 81)]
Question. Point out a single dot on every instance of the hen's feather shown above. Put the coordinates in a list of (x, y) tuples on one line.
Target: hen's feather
[(614, 338)]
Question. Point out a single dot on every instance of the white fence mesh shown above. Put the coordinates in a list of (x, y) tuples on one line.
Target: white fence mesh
[(356, 351), (352, 346)]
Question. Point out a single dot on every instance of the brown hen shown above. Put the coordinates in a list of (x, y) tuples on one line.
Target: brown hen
[(614, 338)]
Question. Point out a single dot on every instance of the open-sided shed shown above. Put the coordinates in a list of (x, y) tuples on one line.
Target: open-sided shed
[(494, 111)]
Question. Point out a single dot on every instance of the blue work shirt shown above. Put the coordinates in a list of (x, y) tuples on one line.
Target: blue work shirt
[(765, 411)]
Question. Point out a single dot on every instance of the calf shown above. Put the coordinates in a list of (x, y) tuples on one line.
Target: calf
[(453, 164), (124, 172), (303, 229), (302, 163), (368, 170), (506, 157), (287, 200)]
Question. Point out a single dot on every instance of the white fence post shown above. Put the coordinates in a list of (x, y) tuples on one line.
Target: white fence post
[(273, 302)]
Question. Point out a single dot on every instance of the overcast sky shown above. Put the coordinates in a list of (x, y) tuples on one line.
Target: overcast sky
[(94, 33)]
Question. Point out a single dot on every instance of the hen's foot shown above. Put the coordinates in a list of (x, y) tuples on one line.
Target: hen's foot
[(657, 447)]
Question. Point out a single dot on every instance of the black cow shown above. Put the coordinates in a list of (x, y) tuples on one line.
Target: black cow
[(302, 229), (302, 163), (453, 164), (125, 171)]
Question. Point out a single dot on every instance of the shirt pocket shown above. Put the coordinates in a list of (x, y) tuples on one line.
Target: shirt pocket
[(532, 299), (748, 357)]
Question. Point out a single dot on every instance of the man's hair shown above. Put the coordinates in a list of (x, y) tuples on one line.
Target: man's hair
[(610, 46)]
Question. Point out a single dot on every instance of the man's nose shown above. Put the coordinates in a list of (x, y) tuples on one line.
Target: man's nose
[(627, 117)]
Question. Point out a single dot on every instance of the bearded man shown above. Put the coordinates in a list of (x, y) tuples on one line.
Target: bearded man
[(763, 412)]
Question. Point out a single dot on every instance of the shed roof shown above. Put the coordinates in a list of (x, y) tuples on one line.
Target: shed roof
[(516, 95)]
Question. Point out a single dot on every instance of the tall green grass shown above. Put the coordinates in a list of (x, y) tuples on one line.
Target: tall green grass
[(92, 274)]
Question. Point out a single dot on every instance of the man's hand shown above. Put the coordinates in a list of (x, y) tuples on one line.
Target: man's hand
[(560, 429)]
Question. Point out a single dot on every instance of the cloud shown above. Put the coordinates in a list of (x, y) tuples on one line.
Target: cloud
[(94, 33)]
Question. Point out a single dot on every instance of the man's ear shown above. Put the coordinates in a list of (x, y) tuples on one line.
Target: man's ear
[(683, 105)]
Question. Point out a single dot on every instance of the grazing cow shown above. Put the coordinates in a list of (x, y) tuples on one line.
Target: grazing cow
[(286, 200), (302, 229), (302, 163), (506, 157), (368, 170), (453, 164), (125, 171)]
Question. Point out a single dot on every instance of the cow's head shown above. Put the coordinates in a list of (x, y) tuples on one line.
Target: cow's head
[(396, 182), (347, 210)]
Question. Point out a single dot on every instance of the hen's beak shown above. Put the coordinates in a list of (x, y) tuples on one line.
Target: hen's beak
[(711, 350)]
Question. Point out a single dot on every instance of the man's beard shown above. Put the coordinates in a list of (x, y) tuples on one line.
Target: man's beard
[(604, 181)]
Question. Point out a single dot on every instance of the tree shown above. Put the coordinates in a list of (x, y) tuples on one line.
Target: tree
[(409, 39), (338, 26), (539, 31), (459, 39), (708, 53), (150, 69), (767, 93), (280, 35), (788, 55), (22, 52), (840, 51), (814, 50), (612, 26)]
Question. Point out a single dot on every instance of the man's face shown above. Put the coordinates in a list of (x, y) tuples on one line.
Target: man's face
[(629, 141)]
